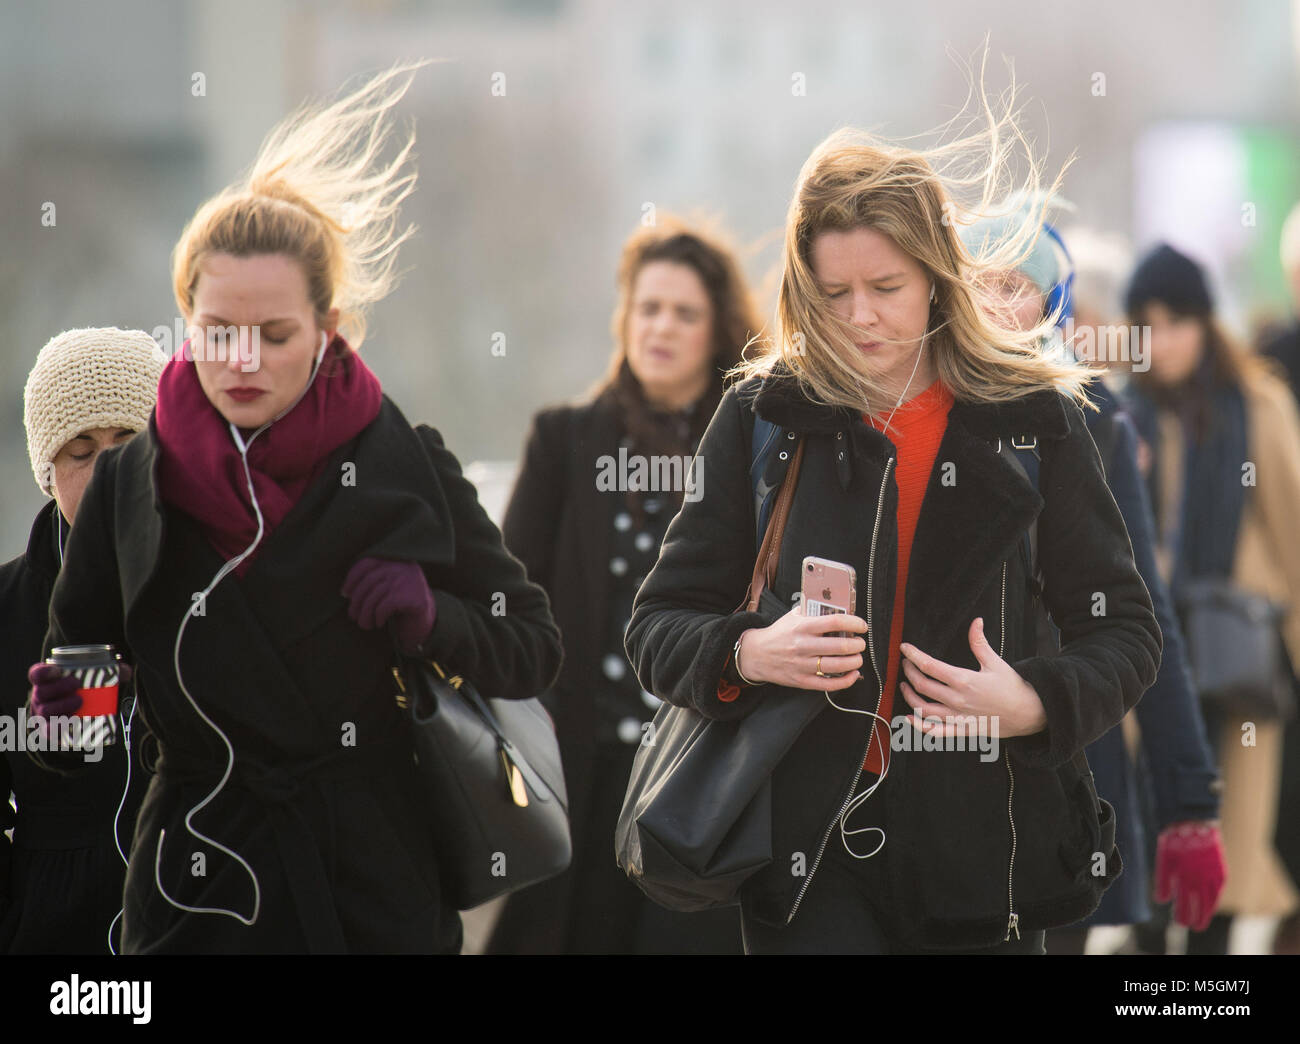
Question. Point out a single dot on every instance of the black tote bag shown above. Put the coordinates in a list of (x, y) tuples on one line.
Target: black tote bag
[(696, 821), (493, 781)]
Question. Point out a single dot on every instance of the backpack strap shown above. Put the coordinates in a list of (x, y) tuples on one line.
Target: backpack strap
[(769, 552), (1021, 452), (766, 440), (770, 500)]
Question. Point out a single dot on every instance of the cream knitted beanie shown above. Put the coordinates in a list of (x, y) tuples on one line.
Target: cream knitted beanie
[(93, 378)]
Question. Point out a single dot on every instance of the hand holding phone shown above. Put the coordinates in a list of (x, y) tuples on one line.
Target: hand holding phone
[(827, 588)]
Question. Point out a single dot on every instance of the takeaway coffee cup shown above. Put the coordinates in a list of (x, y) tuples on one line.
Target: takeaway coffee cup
[(96, 669)]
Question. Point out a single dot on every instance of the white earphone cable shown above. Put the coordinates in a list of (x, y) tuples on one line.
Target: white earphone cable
[(222, 573), (919, 350), (859, 799), (117, 816)]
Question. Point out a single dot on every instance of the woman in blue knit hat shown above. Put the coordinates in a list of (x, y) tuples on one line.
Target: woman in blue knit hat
[(1174, 750)]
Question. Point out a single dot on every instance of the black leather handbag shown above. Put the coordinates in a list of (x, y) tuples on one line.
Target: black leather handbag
[(1234, 648), (493, 782), (696, 821)]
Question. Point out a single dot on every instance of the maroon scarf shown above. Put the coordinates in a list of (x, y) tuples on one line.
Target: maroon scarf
[(200, 470)]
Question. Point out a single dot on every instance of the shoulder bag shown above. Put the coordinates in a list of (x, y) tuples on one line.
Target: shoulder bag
[(696, 822), (493, 782)]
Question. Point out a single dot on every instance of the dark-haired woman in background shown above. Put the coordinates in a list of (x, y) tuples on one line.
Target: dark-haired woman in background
[(1204, 409), (588, 533)]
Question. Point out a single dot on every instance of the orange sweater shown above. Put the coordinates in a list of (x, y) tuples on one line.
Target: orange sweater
[(917, 430)]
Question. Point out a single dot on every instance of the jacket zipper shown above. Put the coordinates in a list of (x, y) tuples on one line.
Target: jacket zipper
[(871, 650), (1013, 918)]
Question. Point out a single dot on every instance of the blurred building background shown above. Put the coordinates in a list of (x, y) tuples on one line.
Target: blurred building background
[(1185, 119)]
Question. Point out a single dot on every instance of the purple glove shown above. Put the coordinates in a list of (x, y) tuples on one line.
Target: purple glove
[(379, 588), (54, 692)]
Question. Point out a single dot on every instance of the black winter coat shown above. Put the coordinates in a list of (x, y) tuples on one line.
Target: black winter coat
[(979, 848), (559, 524), (323, 802), (1174, 745)]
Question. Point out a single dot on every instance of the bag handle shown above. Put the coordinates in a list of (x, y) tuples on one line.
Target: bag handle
[(516, 766), (770, 551)]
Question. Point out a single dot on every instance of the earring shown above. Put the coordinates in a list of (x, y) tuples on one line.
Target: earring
[(933, 295)]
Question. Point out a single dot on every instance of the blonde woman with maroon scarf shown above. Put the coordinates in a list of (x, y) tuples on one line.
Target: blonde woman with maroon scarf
[(250, 554)]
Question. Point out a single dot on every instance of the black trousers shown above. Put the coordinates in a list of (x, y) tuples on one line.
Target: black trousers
[(849, 908)]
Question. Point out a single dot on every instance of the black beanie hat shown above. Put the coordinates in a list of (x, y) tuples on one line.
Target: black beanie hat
[(1171, 278)]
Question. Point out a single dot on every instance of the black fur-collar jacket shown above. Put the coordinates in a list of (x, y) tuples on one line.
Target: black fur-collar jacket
[(981, 847)]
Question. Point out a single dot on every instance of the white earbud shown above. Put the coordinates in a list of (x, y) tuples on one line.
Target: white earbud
[(933, 296)]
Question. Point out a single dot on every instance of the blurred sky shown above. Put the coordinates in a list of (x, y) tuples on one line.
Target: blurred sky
[(525, 197)]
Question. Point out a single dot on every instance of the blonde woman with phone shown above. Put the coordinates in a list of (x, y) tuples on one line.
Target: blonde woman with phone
[(903, 378)]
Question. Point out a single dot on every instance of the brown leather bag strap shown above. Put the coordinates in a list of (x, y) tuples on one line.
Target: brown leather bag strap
[(770, 550)]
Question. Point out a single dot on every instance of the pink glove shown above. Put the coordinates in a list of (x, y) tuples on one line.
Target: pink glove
[(1190, 870), (380, 589)]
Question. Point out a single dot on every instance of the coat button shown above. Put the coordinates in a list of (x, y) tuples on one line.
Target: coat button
[(785, 455), (840, 455), (839, 434)]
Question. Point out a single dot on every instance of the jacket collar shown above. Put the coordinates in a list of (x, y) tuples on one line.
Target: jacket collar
[(781, 400), (42, 553), (989, 508)]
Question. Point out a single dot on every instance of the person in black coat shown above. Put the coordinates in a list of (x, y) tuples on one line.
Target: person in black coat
[(975, 853), (682, 316), (1204, 407), (1175, 752), (61, 877), (257, 551)]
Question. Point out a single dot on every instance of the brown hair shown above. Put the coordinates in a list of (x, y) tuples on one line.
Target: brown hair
[(1226, 361), (854, 180), (735, 321)]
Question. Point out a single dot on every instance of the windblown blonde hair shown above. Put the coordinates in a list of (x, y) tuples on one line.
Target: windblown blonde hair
[(317, 193), (854, 180)]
